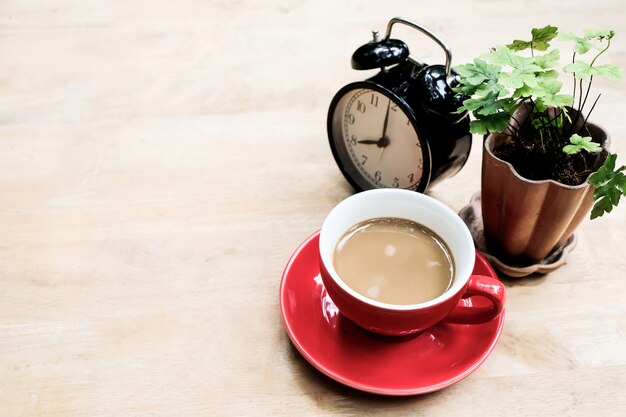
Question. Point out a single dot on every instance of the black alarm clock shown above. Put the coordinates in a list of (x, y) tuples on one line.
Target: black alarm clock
[(398, 128)]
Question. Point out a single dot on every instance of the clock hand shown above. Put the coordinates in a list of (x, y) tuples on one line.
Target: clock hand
[(386, 120), (383, 142)]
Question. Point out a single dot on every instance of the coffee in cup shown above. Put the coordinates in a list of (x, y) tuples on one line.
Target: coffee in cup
[(394, 260)]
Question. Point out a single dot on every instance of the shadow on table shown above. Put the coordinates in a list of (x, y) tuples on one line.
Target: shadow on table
[(528, 281), (330, 395)]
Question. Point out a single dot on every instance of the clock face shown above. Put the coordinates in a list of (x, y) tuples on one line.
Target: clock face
[(376, 141)]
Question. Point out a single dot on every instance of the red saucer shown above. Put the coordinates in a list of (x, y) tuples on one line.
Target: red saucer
[(435, 359)]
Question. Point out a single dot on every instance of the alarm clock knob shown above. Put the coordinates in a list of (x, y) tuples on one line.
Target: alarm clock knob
[(435, 93), (379, 53)]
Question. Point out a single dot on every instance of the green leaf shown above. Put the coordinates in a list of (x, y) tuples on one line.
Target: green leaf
[(489, 107), (493, 123), (548, 91), (610, 186), (476, 76), (621, 183), (553, 74), (579, 143), (523, 71), (609, 164), (549, 60), (478, 127), (581, 70), (571, 149), (526, 73), (493, 107), (540, 122), (599, 34), (471, 104), (524, 91), (499, 122), (540, 105), (550, 85), (516, 80), (584, 71), (484, 106), (601, 207), (542, 37), (502, 55), (478, 72), (604, 171), (581, 45), (610, 71), (540, 40), (465, 89), (518, 45), (491, 87), (558, 100)]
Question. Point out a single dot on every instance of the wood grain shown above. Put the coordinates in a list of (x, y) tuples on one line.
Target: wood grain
[(160, 161)]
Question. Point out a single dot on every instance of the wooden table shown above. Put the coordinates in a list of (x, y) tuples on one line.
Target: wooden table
[(160, 161)]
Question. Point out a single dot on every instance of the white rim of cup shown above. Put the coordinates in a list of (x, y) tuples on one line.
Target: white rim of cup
[(449, 293)]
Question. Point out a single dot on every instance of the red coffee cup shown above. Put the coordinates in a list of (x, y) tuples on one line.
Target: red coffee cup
[(402, 320)]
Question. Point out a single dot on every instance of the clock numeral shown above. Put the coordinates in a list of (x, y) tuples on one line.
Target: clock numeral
[(408, 121), (353, 139), (418, 145), (393, 106), (351, 118), (364, 159), (396, 182), (420, 163), (360, 106), (374, 100), (410, 177), (378, 175)]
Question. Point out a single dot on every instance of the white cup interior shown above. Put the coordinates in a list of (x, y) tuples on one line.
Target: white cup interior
[(389, 202)]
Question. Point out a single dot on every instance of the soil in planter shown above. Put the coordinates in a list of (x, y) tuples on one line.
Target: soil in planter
[(531, 161)]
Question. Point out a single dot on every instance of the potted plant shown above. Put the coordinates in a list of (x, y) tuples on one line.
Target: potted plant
[(544, 162)]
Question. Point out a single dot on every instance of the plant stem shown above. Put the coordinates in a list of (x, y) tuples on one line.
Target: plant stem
[(532, 110), (580, 108), (552, 134), (608, 43), (581, 102), (589, 113), (587, 93), (580, 96), (532, 121), (553, 124), (519, 125), (511, 136), (574, 78), (560, 123)]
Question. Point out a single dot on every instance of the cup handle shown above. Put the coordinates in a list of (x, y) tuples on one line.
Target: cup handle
[(484, 286)]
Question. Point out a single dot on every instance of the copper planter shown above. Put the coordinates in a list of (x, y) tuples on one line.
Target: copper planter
[(525, 220)]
